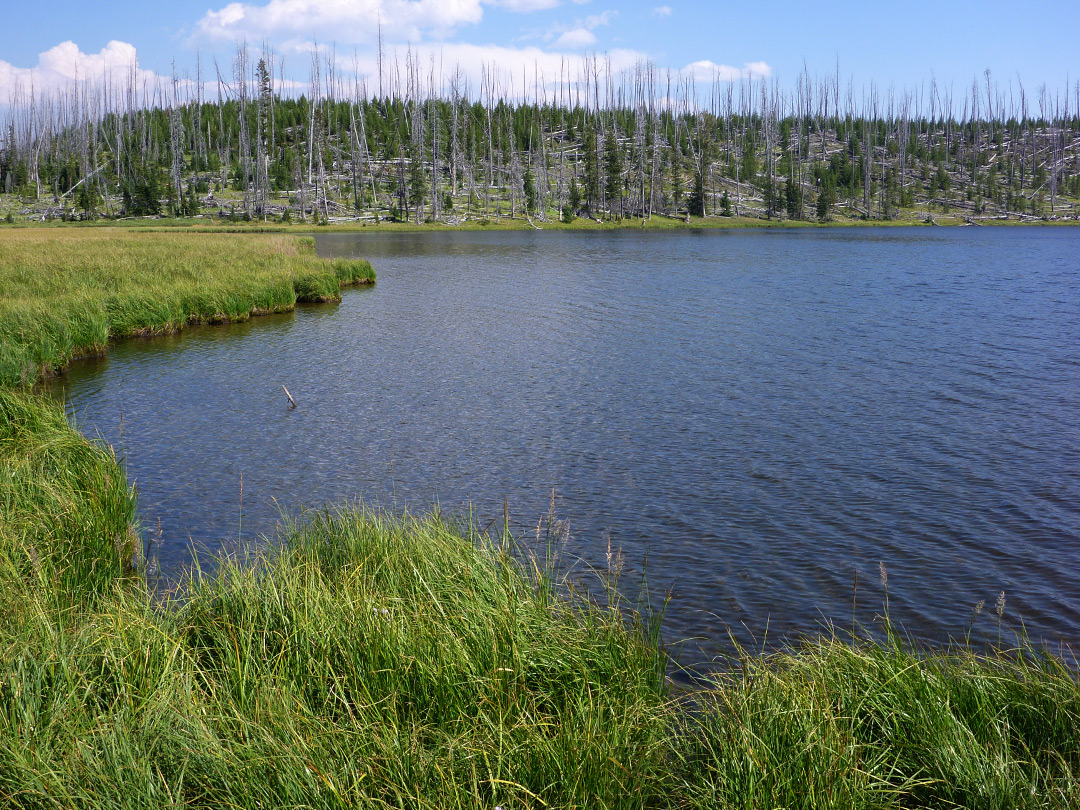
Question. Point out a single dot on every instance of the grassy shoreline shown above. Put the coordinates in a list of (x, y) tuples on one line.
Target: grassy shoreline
[(382, 660), (68, 293), (390, 660)]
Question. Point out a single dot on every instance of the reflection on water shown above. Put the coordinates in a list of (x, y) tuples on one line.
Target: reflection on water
[(759, 414)]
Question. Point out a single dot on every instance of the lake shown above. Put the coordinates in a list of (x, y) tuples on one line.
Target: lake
[(758, 418)]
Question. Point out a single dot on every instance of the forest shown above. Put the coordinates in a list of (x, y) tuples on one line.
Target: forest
[(419, 145)]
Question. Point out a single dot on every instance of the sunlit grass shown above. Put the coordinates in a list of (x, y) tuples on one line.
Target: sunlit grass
[(374, 661), (65, 506), (66, 292), (836, 724)]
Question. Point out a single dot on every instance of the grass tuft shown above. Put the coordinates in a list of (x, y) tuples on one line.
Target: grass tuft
[(865, 724)]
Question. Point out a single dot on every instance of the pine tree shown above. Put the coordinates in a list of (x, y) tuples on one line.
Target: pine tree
[(613, 167), (592, 173)]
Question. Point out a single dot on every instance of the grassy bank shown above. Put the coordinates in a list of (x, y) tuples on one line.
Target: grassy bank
[(67, 292), (375, 661), (398, 661), (840, 725), (66, 510)]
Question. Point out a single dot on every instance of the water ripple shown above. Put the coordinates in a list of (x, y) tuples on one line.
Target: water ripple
[(763, 417)]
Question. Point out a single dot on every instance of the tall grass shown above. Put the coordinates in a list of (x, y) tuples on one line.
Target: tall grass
[(837, 724), (66, 510), (68, 292), (373, 661)]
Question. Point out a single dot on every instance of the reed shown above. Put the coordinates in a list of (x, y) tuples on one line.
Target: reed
[(69, 292)]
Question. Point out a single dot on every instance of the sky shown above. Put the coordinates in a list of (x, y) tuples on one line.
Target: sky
[(895, 45)]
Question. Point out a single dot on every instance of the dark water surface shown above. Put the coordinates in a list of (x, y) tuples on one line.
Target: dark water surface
[(761, 414)]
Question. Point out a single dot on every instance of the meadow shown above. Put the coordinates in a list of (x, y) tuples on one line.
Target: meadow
[(375, 659)]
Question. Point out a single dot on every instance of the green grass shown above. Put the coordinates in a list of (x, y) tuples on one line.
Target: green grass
[(374, 661), (66, 292), (845, 725), (66, 510), (377, 660)]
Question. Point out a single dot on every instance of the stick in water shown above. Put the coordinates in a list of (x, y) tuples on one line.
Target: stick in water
[(291, 400)]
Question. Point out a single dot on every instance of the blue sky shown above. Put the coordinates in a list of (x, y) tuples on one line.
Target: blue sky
[(898, 44)]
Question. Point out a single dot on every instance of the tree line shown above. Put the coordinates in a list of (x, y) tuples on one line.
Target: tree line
[(634, 144)]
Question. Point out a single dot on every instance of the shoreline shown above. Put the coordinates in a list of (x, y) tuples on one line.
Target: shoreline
[(201, 224), (70, 293)]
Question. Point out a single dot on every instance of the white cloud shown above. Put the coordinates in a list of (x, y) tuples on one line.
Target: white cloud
[(662, 11), (580, 34), (353, 21), (576, 38), (343, 20), (524, 6), (596, 20), (63, 64), (707, 71), (509, 69)]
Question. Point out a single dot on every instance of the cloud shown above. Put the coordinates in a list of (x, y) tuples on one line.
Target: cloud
[(507, 69), (580, 34), (662, 11), (353, 21), (63, 64), (576, 38), (524, 6), (707, 71)]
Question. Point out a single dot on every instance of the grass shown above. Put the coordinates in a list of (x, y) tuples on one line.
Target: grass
[(66, 510), (380, 660), (843, 725), (67, 292), (373, 661)]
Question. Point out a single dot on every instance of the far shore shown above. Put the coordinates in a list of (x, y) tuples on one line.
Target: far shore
[(481, 223)]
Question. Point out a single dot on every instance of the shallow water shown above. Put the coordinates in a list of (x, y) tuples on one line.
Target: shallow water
[(761, 415)]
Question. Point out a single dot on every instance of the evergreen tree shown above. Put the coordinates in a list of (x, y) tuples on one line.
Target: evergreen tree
[(575, 195), (88, 198), (749, 166), (695, 203), (529, 187), (675, 164), (793, 200), (613, 167), (592, 173), (725, 205), (825, 200)]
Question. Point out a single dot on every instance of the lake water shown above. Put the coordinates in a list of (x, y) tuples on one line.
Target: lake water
[(760, 415)]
